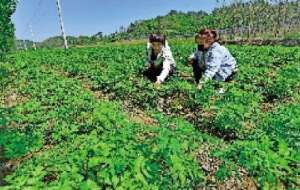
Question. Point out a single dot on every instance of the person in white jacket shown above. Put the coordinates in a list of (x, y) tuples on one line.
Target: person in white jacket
[(160, 62), (211, 60)]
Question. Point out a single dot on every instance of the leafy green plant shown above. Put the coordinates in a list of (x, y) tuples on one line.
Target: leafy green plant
[(96, 144), (272, 163)]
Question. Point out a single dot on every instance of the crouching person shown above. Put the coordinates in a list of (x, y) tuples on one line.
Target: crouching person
[(160, 62), (211, 60)]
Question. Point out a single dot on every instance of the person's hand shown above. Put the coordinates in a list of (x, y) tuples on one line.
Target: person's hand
[(157, 83), (190, 61), (151, 66), (200, 86)]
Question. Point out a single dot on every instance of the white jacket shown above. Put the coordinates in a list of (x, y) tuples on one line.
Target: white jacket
[(165, 57), (219, 63)]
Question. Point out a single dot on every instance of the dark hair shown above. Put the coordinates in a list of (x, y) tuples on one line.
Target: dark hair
[(208, 32), (157, 38)]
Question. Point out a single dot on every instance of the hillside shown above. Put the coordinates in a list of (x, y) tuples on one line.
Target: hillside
[(173, 24), (57, 41), (258, 19)]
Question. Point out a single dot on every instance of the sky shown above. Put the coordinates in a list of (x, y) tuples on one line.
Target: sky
[(88, 17)]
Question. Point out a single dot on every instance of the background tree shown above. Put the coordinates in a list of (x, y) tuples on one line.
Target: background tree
[(7, 8)]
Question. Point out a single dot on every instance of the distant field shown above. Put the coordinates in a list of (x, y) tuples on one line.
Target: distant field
[(87, 119)]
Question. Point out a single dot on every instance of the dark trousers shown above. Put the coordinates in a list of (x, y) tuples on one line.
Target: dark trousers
[(198, 70), (154, 70)]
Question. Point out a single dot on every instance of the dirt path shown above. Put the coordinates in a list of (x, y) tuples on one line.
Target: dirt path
[(239, 180)]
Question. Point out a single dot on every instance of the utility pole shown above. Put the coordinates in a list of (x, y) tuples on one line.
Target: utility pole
[(62, 24), (33, 43)]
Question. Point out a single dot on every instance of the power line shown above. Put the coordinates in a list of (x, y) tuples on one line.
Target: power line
[(34, 15)]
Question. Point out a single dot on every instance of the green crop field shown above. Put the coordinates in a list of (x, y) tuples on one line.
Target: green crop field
[(86, 118)]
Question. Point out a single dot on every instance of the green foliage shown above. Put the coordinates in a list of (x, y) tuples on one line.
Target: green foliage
[(284, 122), (273, 162), (17, 144), (241, 19), (236, 111), (259, 19), (57, 41), (96, 144), (173, 24), (225, 170), (7, 8)]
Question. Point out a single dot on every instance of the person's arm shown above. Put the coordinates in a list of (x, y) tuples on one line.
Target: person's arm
[(212, 66), (192, 57), (167, 63)]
